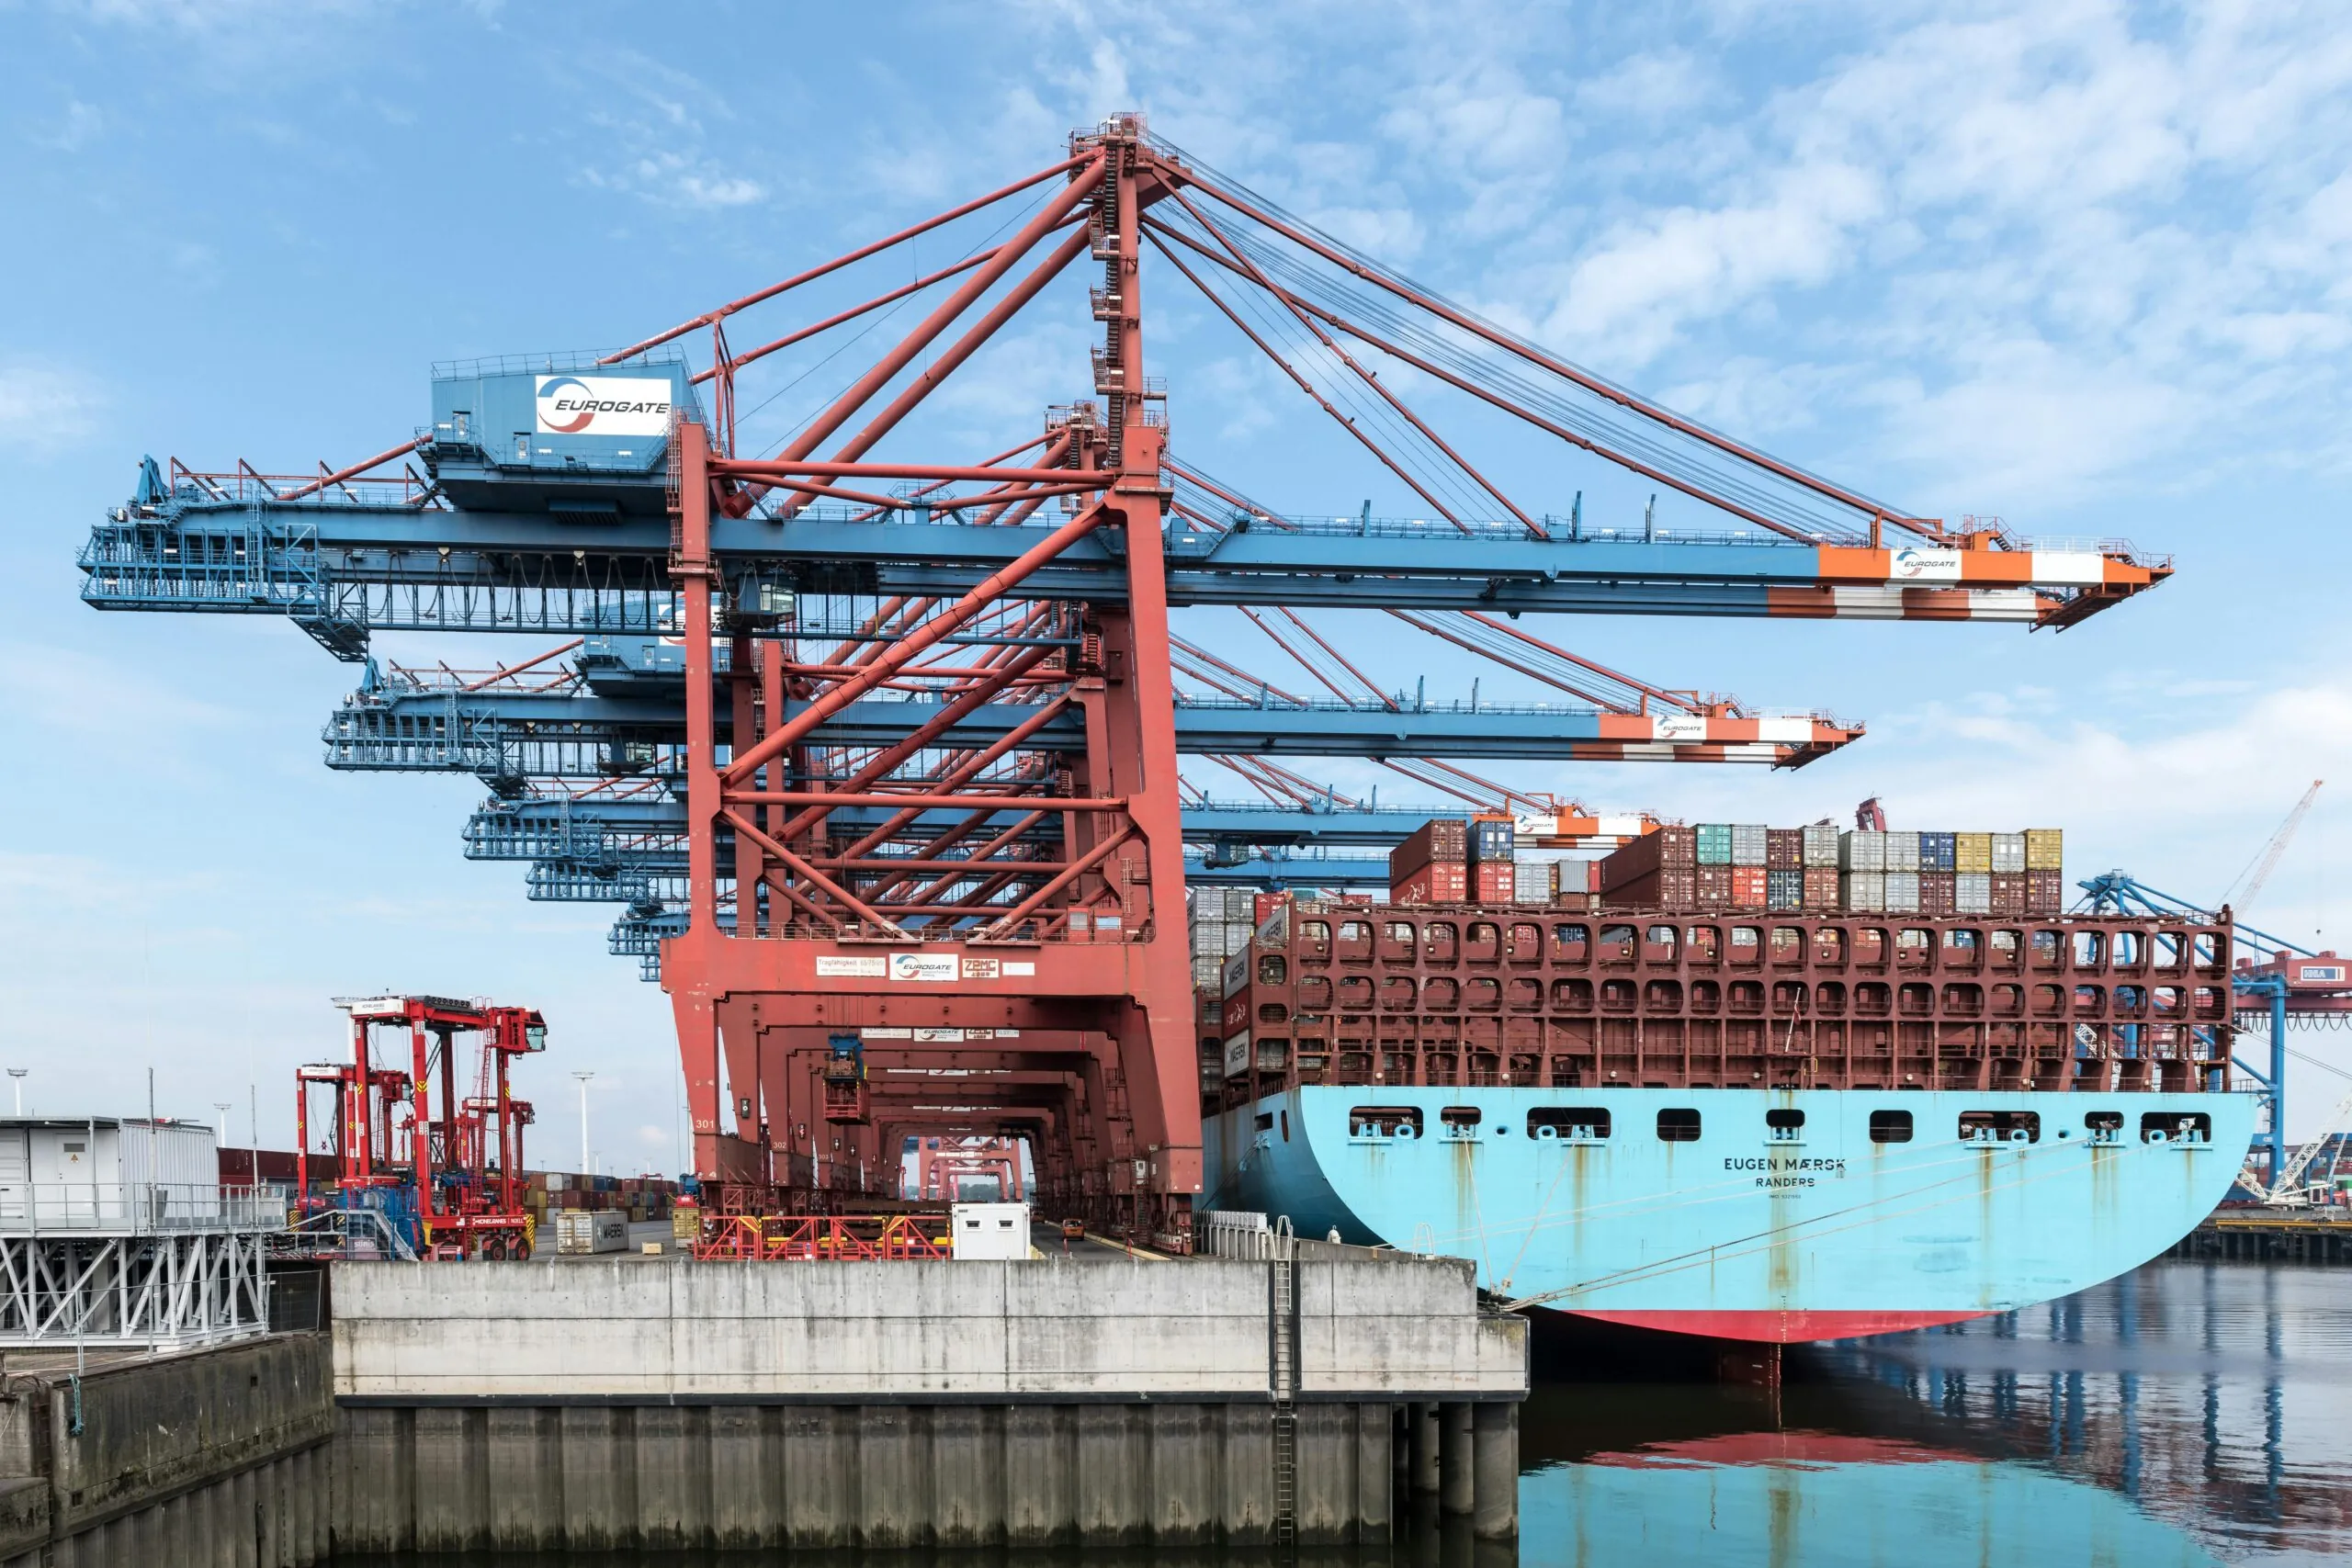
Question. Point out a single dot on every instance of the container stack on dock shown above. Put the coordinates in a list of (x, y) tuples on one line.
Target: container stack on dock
[(637, 1197)]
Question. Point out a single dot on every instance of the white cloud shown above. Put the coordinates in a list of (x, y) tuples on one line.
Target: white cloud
[(44, 406), (677, 179), (78, 124), (1627, 300), (653, 115), (1646, 85), (2030, 420)]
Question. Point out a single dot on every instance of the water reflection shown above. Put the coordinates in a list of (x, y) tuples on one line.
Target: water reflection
[(2190, 1413)]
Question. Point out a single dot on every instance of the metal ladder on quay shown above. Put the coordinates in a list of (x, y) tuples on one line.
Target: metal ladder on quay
[(1283, 1314)]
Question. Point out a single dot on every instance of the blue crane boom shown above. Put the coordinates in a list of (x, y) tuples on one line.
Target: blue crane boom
[(565, 735), (351, 560)]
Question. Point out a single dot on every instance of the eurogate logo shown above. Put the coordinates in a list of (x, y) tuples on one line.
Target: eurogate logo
[(602, 405)]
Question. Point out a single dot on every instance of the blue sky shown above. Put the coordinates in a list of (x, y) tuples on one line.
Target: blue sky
[(2086, 268)]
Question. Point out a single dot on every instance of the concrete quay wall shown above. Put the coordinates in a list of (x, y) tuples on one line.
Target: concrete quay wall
[(1391, 1328), (648, 1404), (204, 1456), (590, 1477)]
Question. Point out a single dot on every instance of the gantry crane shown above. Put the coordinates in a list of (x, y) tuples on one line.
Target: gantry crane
[(440, 1175), (860, 735), (2293, 985)]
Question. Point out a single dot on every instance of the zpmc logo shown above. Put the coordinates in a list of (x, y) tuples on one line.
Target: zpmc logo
[(554, 407)]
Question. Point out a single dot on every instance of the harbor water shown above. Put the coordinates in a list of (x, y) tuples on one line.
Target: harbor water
[(2185, 1414)]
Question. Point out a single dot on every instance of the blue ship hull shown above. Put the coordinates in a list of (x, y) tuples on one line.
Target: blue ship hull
[(1740, 1229)]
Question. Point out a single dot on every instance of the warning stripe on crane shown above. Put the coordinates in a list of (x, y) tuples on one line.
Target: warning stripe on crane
[(1892, 602), (1989, 569)]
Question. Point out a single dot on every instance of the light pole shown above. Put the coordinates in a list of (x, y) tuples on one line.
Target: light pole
[(583, 1078), (18, 1075)]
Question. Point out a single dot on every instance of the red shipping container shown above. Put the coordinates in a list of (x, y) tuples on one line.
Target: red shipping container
[(1443, 841), (2045, 893), (1491, 881), (1938, 894), (1748, 885), (1784, 849), (1673, 848), (1441, 883), (2008, 893), (1713, 885), (1668, 888), (1264, 904), (1820, 887)]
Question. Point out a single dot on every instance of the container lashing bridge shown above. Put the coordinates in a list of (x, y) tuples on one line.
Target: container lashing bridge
[(431, 1174), (877, 746)]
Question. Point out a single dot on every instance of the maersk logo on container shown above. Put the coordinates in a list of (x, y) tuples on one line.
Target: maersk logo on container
[(603, 405)]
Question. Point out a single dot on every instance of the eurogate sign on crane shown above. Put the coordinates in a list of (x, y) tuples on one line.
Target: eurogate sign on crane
[(985, 885)]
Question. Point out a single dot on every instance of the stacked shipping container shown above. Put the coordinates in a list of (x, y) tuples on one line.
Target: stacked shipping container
[(639, 1198), (1953, 874), (1712, 865), (1220, 920), (1434, 865)]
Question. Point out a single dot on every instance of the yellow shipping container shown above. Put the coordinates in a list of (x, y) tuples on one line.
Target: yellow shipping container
[(685, 1227), (2045, 849), (1972, 852)]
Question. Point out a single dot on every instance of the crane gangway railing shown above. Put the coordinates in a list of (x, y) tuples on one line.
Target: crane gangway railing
[(1421, 702), (246, 486), (138, 1208), (243, 488)]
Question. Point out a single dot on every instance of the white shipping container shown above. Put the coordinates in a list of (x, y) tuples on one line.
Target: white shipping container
[(1748, 843), (989, 1233), (1901, 852), (1862, 851), (1821, 844), (1530, 882), (2008, 851), (1863, 890), (1971, 893), (1220, 940), (171, 1154), (1903, 892), (579, 1232)]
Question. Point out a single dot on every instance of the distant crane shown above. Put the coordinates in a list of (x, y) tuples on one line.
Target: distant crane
[(1870, 816), (2267, 861), (2287, 1190), (2293, 983)]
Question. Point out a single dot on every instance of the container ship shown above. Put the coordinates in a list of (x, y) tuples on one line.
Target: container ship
[(1773, 1085)]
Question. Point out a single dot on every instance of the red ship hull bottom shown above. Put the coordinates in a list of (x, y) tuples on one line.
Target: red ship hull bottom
[(1783, 1328)]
